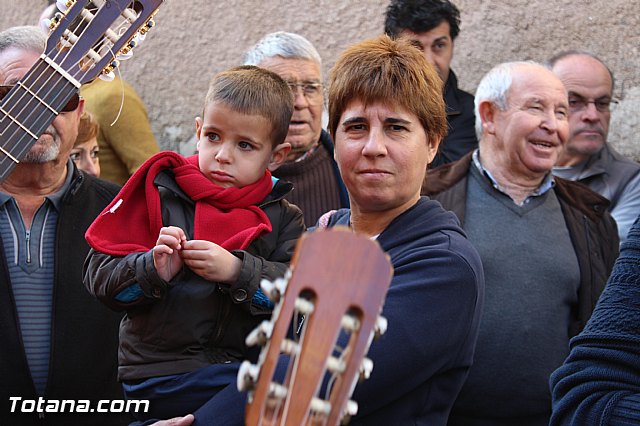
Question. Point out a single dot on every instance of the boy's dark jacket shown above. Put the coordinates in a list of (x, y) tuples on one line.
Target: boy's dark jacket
[(592, 230), (195, 322)]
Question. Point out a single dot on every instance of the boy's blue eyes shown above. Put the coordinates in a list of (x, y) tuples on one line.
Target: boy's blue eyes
[(214, 137)]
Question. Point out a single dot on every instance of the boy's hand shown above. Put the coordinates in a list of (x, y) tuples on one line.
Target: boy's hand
[(166, 253), (211, 261)]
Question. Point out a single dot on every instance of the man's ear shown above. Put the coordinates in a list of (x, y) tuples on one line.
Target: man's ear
[(279, 155), (80, 108), (488, 110), (198, 132)]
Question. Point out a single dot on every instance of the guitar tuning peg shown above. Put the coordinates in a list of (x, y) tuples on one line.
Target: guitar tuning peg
[(350, 323), (335, 365), (64, 5), (46, 24), (289, 347), (107, 73), (65, 42), (247, 376), (277, 391), (274, 289), (260, 334), (351, 409), (127, 51), (304, 306), (380, 327), (110, 76), (124, 56), (139, 37), (50, 23), (270, 290), (320, 406), (366, 367), (150, 24)]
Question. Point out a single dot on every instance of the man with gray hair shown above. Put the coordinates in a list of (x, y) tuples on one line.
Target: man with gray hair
[(547, 245), (310, 166), (56, 342), (587, 157)]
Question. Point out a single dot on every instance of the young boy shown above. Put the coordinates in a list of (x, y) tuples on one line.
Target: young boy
[(183, 247)]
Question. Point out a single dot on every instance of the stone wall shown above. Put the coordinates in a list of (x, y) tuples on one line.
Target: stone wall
[(196, 38)]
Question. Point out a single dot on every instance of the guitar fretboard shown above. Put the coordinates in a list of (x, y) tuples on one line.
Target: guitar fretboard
[(27, 111)]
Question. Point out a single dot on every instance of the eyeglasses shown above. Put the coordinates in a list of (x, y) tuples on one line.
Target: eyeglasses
[(578, 103), (72, 105), (311, 91)]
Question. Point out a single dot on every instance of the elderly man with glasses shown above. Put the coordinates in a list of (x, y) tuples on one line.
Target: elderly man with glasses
[(56, 342), (310, 166), (587, 157)]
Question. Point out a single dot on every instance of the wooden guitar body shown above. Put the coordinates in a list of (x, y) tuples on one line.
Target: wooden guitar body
[(338, 284)]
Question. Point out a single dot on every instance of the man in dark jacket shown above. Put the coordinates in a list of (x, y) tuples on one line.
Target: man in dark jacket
[(547, 245), (433, 25), (588, 158), (56, 342)]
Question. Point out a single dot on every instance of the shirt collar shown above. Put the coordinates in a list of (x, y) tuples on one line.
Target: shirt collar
[(547, 183)]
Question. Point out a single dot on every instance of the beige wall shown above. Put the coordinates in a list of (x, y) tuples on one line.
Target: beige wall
[(196, 38)]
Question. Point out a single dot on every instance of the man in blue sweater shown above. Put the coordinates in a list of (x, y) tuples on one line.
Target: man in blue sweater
[(599, 383)]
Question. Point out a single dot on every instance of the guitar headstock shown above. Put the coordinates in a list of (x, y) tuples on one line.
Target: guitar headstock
[(88, 38), (338, 284)]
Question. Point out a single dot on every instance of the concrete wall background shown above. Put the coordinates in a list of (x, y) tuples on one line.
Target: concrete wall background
[(194, 39)]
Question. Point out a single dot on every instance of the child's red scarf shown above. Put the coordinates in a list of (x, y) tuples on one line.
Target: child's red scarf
[(228, 217)]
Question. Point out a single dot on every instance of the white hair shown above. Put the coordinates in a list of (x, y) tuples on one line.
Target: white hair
[(494, 87), (283, 44), (26, 37)]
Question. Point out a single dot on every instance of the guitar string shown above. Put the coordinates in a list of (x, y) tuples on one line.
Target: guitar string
[(34, 74), (49, 84), (294, 366), (271, 418), (279, 402), (275, 315), (78, 75), (34, 70)]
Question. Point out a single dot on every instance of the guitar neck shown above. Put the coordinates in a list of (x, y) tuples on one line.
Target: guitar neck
[(28, 110)]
